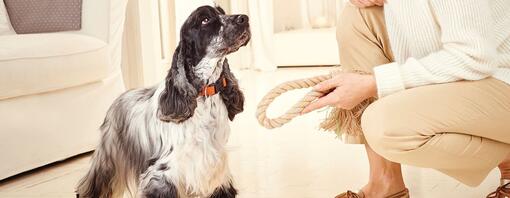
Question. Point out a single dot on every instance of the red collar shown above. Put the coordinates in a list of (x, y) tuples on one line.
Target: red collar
[(214, 88)]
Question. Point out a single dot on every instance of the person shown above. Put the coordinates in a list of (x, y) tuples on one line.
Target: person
[(440, 71)]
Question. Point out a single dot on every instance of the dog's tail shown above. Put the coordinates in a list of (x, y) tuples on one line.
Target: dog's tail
[(111, 173), (102, 177), (99, 180)]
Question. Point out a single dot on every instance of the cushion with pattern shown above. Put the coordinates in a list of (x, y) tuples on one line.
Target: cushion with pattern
[(39, 16)]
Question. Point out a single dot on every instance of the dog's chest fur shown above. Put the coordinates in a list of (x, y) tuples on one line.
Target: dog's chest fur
[(195, 149), (205, 148)]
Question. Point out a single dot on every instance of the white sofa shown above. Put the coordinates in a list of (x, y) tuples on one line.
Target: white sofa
[(55, 88)]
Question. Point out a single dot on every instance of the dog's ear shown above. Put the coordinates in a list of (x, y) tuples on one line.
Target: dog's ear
[(220, 9), (177, 102), (232, 96)]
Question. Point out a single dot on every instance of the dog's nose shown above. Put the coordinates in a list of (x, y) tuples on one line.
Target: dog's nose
[(242, 19)]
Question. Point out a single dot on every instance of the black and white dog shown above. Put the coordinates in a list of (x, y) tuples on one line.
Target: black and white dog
[(169, 140)]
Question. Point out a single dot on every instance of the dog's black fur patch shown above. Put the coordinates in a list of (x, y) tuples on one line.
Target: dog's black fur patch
[(225, 192), (160, 187), (232, 96)]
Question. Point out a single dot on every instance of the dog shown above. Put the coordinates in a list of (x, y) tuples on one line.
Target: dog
[(169, 140)]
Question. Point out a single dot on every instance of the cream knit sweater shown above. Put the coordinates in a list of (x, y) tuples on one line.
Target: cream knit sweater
[(440, 41)]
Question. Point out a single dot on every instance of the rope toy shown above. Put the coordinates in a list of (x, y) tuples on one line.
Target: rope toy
[(296, 109), (340, 120)]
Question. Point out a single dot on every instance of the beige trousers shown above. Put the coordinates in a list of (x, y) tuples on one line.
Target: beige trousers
[(461, 129)]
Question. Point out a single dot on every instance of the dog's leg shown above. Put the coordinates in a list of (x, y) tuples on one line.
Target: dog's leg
[(155, 184), (225, 191)]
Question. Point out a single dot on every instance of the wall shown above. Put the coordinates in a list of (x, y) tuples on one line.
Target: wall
[(303, 14)]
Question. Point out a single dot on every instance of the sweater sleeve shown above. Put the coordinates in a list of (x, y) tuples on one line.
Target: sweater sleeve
[(466, 53)]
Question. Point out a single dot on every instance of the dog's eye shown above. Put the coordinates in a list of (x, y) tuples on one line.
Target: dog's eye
[(205, 21)]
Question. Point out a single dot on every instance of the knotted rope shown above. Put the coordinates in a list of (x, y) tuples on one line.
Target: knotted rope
[(297, 108), (339, 120)]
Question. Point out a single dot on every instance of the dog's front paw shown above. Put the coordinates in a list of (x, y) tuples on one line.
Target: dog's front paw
[(227, 191), (157, 186)]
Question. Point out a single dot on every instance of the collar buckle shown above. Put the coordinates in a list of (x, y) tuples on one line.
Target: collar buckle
[(214, 88)]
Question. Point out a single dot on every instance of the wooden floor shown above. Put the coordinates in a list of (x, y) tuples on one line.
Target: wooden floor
[(296, 160)]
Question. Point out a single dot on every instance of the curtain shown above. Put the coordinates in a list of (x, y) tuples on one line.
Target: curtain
[(257, 54)]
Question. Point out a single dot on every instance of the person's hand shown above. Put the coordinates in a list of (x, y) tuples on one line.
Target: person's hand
[(350, 89), (367, 3)]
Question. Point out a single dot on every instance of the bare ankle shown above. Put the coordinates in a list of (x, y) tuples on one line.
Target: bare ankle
[(385, 176), (504, 168), (505, 174), (387, 173), (387, 184), (382, 189)]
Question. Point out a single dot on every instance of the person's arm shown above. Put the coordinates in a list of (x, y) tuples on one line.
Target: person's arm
[(467, 52)]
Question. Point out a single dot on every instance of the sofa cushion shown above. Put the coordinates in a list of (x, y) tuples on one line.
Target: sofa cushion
[(35, 63), (38, 16)]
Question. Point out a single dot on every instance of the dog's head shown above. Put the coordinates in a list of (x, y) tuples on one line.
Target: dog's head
[(211, 32), (207, 36)]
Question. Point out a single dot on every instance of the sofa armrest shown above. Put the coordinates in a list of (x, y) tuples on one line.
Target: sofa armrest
[(104, 19)]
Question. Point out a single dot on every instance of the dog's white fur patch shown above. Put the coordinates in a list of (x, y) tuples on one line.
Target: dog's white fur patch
[(195, 149), (209, 69)]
